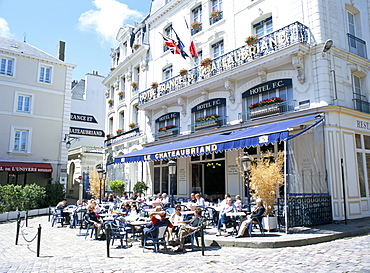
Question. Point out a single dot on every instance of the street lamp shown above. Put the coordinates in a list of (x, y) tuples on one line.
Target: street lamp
[(247, 163), (100, 173), (172, 171)]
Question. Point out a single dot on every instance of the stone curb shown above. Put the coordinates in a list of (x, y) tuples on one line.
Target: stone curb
[(285, 243)]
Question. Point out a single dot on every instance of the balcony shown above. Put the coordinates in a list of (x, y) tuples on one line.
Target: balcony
[(167, 133), (267, 111), (208, 124), (357, 46), (122, 136), (195, 31), (213, 20), (361, 104), (276, 41)]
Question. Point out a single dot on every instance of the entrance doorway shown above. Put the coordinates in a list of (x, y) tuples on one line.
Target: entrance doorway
[(208, 178)]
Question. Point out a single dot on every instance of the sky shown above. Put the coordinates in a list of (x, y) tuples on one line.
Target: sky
[(88, 27)]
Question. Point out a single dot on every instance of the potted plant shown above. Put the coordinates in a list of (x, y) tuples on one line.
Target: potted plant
[(183, 72), (266, 176), (109, 136), (119, 131), (215, 13), (166, 128), (117, 186), (205, 62), (154, 85), (120, 93), (136, 46), (110, 101), (208, 117), (112, 68), (250, 40), (140, 187), (196, 25), (132, 125), (134, 84)]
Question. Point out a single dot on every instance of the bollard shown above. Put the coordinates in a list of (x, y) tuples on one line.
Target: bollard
[(38, 240), (49, 214), (26, 218), (18, 215), (18, 228), (202, 239), (107, 232)]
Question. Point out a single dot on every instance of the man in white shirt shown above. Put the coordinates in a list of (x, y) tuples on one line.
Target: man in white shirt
[(224, 219)]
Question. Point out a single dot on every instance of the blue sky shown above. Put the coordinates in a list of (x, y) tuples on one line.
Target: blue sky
[(88, 27)]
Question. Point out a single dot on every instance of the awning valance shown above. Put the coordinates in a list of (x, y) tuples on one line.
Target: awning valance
[(26, 167), (252, 136)]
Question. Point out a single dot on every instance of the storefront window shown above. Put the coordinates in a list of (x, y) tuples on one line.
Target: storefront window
[(358, 141), (162, 178), (361, 177), (367, 142)]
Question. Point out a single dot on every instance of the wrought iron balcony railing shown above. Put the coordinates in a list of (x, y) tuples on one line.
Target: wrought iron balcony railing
[(357, 46), (267, 111), (207, 124), (167, 133), (213, 20), (361, 105)]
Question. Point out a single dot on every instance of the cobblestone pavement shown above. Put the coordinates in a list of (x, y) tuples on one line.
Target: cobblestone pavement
[(63, 251)]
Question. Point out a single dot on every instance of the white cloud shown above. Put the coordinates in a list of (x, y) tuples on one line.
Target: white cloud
[(106, 20), (4, 28)]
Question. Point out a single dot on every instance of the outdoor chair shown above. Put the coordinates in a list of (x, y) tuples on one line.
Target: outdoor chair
[(117, 231), (211, 215), (57, 216), (256, 223), (170, 211), (90, 226), (78, 218), (157, 235)]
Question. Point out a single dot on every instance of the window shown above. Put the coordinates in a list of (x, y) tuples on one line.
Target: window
[(198, 58), (7, 66), (168, 33), (45, 74), (161, 178), (135, 114), (197, 17), (356, 45), (218, 49), (363, 164), (122, 120), (24, 103), (167, 73), (263, 27), (172, 118), (21, 140), (216, 5), (359, 99)]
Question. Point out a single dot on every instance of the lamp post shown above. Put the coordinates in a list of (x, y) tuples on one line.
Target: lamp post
[(172, 171), (100, 173), (246, 163)]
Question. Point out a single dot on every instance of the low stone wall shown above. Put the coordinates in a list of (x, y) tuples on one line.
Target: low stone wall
[(12, 215)]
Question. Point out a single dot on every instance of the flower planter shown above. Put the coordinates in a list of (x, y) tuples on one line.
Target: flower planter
[(252, 42), (207, 124), (269, 223), (167, 133), (265, 111)]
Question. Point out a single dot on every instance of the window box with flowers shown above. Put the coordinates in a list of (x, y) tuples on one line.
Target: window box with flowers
[(250, 40), (136, 46), (119, 131), (154, 85), (168, 130), (134, 84), (266, 107), (183, 72), (132, 125), (109, 136), (110, 102), (196, 25), (215, 13), (205, 62), (112, 68), (120, 94), (207, 121)]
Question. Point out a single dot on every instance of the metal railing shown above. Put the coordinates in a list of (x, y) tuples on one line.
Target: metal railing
[(267, 111), (357, 46), (195, 31), (208, 124), (213, 20), (167, 133)]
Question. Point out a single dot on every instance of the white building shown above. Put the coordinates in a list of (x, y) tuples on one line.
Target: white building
[(34, 114), (312, 55), (86, 138)]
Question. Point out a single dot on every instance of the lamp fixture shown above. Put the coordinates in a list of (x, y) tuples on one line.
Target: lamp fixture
[(328, 44), (69, 140)]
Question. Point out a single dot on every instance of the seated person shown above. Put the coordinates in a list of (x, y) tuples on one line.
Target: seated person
[(185, 230), (93, 218), (134, 196), (140, 197), (223, 218), (258, 211), (223, 202), (110, 198), (60, 206), (238, 203), (159, 198), (176, 219), (157, 217), (165, 200), (199, 201), (192, 198)]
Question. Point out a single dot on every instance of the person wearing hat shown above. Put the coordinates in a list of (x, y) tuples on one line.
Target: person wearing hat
[(258, 211)]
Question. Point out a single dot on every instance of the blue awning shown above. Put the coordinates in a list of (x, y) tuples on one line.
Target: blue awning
[(252, 136)]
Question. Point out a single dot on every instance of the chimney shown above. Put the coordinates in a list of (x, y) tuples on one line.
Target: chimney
[(61, 48)]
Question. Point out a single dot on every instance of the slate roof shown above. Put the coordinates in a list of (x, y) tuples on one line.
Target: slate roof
[(19, 47)]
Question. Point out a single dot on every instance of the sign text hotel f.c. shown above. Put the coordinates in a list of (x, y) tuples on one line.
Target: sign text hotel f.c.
[(275, 41)]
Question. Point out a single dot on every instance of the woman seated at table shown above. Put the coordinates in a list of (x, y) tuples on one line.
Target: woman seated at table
[(238, 203), (258, 211), (93, 218), (176, 219), (61, 205), (199, 201)]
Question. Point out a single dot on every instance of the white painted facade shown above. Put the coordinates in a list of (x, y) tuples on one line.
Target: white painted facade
[(34, 114), (335, 83)]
